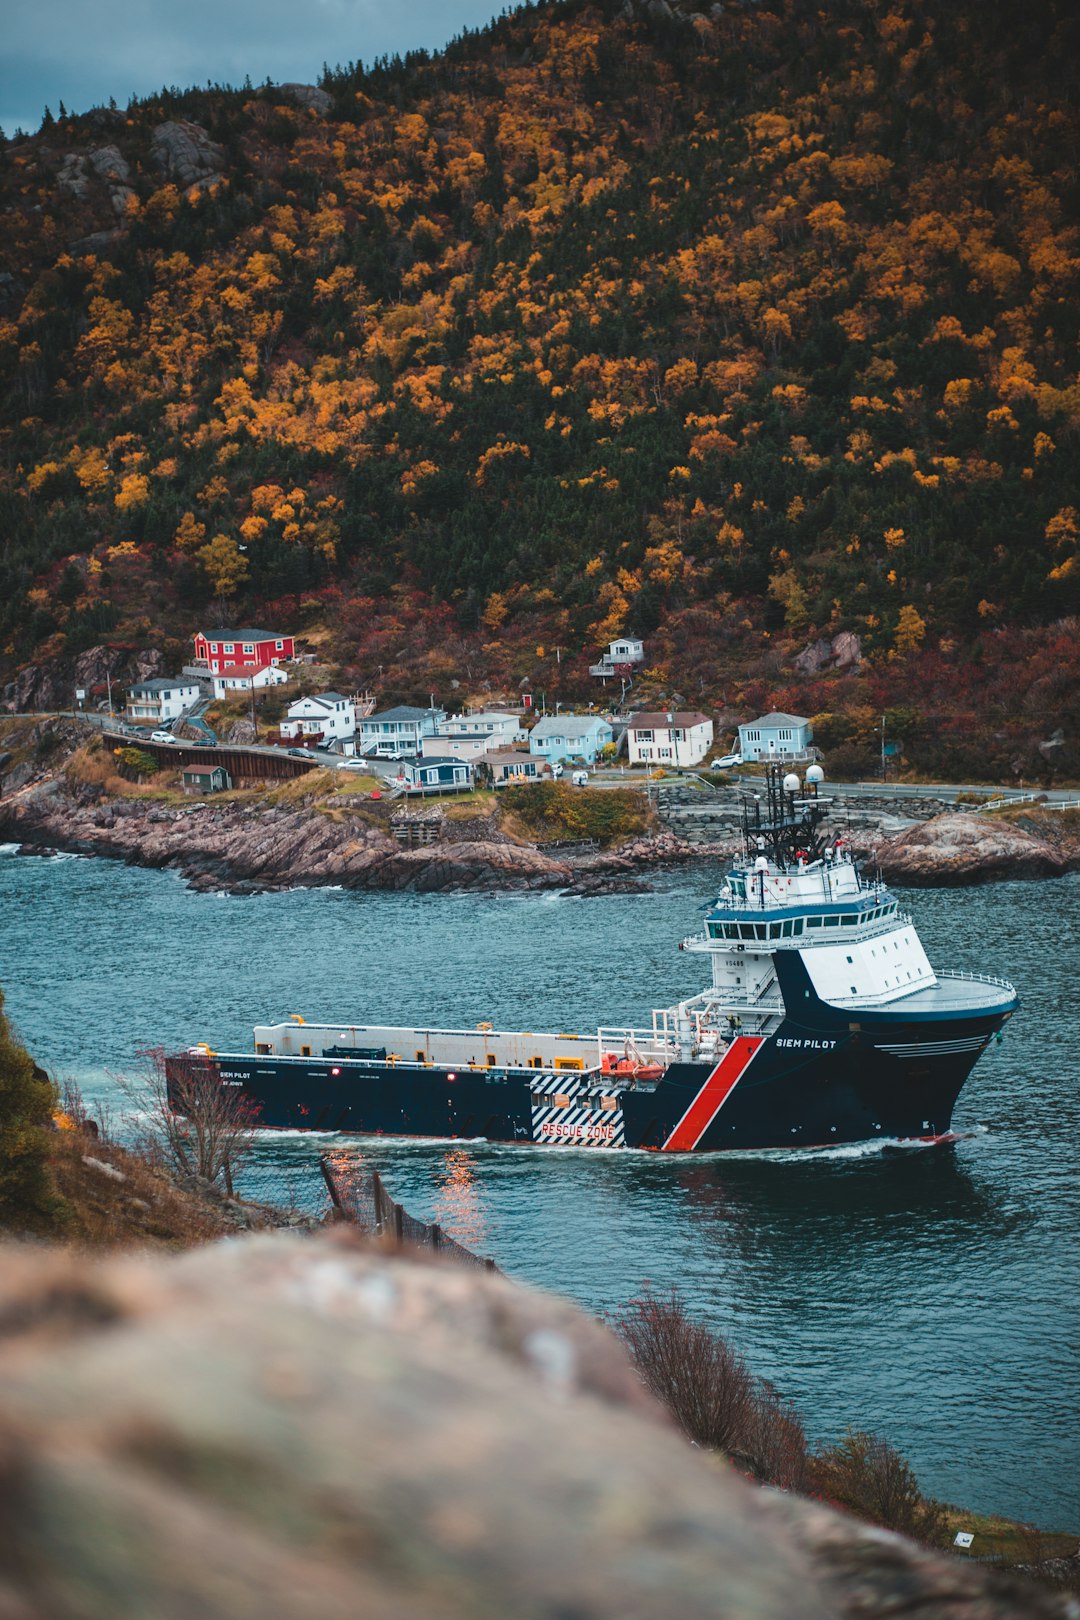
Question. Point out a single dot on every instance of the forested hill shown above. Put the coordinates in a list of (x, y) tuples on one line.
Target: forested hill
[(733, 325)]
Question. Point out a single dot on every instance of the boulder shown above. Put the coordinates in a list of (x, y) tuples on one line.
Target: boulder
[(846, 650), (964, 848), (813, 659), (184, 152), (290, 1425)]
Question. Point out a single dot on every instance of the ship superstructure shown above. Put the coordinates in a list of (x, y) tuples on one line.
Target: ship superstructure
[(823, 1022)]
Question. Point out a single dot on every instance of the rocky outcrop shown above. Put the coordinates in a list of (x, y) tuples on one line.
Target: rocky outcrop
[(184, 152), (287, 1426), (469, 866), (842, 652), (79, 171), (307, 95), (961, 848)]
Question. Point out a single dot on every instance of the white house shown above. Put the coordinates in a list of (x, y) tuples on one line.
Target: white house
[(394, 733), (232, 681), (622, 657), (775, 736), (503, 729), (454, 745), (671, 737), (162, 700), (329, 716)]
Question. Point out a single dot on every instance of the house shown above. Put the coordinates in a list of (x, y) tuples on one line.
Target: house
[(500, 727), (456, 744), (622, 657), (235, 680), (775, 736), (570, 736), (670, 737), (222, 650), (507, 768), (205, 779), (436, 775), (162, 700), (394, 733), (327, 716)]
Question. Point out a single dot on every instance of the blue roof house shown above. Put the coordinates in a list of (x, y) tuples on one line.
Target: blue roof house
[(396, 733), (570, 736), (775, 736)]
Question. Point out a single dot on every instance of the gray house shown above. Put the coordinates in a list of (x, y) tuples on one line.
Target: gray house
[(205, 779), (570, 736), (775, 736), (396, 733)]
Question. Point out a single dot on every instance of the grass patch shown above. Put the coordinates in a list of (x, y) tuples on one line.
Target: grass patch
[(550, 810), (1006, 1541), (113, 1199)]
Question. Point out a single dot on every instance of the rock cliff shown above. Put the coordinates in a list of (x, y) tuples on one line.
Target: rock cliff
[(285, 1426), (963, 848)]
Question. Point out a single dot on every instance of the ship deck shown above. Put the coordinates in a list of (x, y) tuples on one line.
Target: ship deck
[(954, 995)]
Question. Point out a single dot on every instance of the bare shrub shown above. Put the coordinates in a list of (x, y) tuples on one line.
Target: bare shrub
[(864, 1474), (711, 1393), (190, 1122), (700, 1379)]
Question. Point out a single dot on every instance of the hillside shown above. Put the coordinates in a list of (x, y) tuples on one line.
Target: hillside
[(736, 327)]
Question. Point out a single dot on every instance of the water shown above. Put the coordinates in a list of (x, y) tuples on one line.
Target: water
[(926, 1293)]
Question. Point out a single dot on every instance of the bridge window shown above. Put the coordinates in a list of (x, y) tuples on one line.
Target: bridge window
[(491, 1060), (305, 1051), (815, 922), (832, 922)]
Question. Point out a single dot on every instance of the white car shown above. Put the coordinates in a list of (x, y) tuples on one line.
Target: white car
[(354, 765), (580, 778), (162, 737), (726, 762)]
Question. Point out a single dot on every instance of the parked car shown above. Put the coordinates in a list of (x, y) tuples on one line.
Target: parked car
[(162, 737), (354, 765), (580, 779), (726, 762), (299, 753)]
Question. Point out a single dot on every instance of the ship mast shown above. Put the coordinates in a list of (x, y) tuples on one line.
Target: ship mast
[(785, 827)]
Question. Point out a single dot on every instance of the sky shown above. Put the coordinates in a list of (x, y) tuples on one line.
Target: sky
[(81, 52)]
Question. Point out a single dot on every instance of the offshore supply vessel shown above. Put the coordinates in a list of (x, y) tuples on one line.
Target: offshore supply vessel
[(823, 1023)]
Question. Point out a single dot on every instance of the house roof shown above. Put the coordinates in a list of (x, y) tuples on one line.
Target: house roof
[(568, 725), (203, 770), (162, 685), (653, 719), (402, 712), (777, 719), (326, 700), (243, 635), (437, 759), (511, 756)]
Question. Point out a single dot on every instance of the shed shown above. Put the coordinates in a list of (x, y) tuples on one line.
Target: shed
[(205, 779)]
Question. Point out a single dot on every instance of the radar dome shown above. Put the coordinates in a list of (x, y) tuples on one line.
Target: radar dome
[(761, 864), (815, 775), (791, 783)]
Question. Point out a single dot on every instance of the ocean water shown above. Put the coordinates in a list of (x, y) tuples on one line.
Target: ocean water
[(927, 1293)]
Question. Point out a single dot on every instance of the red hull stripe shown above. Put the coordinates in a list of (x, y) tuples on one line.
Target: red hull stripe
[(713, 1095)]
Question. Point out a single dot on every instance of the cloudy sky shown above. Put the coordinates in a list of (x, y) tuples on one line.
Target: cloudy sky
[(81, 52)]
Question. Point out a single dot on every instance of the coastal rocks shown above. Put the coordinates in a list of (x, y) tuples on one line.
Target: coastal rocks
[(79, 170), (468, 866), (184, 152), (290, 1425), (956, 849)]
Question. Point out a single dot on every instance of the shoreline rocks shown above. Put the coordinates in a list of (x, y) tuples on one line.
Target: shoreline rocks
[(961, 849)]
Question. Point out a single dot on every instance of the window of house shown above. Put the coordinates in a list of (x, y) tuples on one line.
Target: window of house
[(213, 646), (643, 736), (279, 646), (249, 647)]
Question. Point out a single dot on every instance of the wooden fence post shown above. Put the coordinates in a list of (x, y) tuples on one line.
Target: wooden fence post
[(399, 1224), (331, 1183), (436, 1236)]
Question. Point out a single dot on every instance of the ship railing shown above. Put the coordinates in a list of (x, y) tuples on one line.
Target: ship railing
[(976, 978), (641, 1045)]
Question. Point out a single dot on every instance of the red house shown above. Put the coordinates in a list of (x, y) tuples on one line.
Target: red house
[(245, 651)]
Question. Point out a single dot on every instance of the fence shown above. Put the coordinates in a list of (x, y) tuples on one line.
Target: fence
[(365, 1202)]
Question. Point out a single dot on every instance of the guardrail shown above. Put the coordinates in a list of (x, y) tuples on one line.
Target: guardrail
[(976, 978)]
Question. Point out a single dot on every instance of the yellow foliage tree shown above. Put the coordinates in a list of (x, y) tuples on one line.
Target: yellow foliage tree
[(910, 631), (225, 567)]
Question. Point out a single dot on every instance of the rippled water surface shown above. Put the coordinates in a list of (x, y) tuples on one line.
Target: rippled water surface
[(927, 1293)]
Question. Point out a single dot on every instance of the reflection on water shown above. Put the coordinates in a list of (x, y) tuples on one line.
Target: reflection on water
[(459, 1205), (925, 1293)]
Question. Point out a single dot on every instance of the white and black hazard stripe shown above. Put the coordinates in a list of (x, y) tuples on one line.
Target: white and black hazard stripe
[(581, 1122), (962, 1043)]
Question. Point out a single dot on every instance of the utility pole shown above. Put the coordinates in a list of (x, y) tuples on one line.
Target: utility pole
[(108, 687), (254, 721), (883, 748)]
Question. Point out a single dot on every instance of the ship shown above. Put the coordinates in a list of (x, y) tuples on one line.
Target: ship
[(823, 1023)]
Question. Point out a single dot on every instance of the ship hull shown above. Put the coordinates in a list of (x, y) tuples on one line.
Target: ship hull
[(835, 1082)]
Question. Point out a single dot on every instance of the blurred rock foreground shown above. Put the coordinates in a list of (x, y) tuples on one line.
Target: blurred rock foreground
[(280, 1426)]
